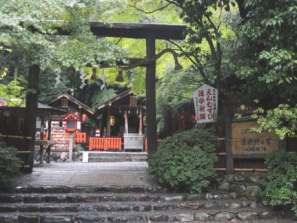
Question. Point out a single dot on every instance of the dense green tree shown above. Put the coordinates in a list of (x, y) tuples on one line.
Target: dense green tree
[(265, 57), (29, 28)]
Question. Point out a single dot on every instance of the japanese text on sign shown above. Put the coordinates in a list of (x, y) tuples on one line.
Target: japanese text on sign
[(206, 103), (246, 141)]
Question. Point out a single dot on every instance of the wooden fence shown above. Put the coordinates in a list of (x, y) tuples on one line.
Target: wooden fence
[(108, 143), (80, 137), (21, 143)]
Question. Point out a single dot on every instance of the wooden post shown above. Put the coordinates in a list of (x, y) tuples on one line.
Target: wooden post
[(71, 139), (229, 156), (151, 97), (31, 112), (108, 122), (41, 138), (49, 137)]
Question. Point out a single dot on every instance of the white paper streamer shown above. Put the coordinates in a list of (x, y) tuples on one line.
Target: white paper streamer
[(82, 77)]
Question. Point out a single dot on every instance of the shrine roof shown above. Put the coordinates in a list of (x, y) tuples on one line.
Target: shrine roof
[(115, 99), (73, 100)]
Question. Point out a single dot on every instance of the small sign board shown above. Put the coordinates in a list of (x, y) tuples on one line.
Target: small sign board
[(206, 104), (248, 142)]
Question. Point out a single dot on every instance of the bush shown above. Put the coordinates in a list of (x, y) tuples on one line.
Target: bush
[(280, 183), (185, 161), (9, 164)]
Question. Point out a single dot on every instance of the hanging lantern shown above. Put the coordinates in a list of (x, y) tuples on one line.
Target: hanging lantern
[(84, 117), (112, 120)]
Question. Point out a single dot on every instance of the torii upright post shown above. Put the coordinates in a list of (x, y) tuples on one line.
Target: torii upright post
[(151, 96)]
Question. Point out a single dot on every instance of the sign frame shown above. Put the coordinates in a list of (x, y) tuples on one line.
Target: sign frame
[(206, 104), (246, 143)]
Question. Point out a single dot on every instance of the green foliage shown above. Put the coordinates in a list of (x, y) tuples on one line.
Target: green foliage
[(53, 51), (208, 28), (185, 161), (102, 96), (282, 120), (14, 92), (265, 52), (280, 183), (9, 163), (49, 88)]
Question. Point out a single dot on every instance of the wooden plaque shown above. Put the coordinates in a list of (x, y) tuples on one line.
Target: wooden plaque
[(246, 142)]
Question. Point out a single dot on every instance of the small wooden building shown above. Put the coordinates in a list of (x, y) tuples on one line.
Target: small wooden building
[(68, 104), (120, 115), (121, 124)]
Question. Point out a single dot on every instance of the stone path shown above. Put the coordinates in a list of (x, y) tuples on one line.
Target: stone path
[(118, 192), (86, 174)]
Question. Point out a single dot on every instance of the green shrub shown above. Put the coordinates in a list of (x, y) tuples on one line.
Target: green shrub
[(280, 183), (185, 161), (9, 164)]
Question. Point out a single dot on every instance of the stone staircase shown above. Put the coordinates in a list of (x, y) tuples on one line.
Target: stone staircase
[(92, 204), (94, 156)]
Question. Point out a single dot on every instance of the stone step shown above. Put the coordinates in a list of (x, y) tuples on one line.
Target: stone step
[(160, 216), (222, 199), (209, 207), (79, 189), (94, 156), (116, 159), (59, 204)]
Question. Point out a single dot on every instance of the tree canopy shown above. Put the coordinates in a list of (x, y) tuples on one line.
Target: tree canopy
[(253, 40)]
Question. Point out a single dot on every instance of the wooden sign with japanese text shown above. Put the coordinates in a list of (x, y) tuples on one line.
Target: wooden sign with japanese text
[(245, 141), (206, 104)]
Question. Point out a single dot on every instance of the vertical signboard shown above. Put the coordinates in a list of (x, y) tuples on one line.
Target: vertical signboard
[(206, 104)]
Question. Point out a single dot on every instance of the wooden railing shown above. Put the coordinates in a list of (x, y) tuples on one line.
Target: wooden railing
[(97, 143), (80, 137)]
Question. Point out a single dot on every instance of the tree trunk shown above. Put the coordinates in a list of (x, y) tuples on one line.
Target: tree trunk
[(31, 113)]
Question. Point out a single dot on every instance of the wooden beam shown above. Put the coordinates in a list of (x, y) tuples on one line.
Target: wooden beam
[(138, 30)]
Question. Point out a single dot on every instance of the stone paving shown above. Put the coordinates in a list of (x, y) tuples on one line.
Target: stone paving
[(86, 174), (119, 192)]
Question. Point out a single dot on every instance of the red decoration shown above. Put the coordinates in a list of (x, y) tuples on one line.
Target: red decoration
[(84, 117)]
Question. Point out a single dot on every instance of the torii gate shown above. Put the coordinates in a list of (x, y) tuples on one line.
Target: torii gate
[(149, 32)]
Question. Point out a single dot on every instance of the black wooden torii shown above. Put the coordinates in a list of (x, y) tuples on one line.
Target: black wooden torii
[(149, 32)]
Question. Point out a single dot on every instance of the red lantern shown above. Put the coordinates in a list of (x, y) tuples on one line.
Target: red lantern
[(84, 117)]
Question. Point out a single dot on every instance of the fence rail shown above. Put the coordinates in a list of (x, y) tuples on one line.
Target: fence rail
[(80, 137), (108, 143)]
